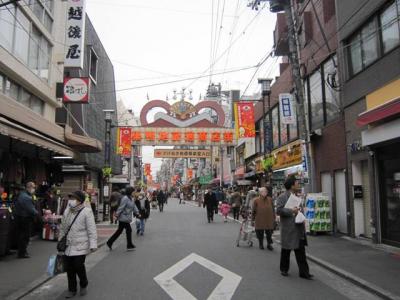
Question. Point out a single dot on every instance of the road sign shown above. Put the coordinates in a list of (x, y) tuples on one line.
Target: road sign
[(76, 90), (224, 290)]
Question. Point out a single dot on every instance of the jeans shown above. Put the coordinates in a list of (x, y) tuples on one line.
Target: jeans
[(300, 258), (128, 230), (260, 236), (140, 225), (23, 225), (75, 266)]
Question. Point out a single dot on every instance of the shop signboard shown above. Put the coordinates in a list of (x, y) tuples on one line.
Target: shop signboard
[(244, 120), (358, 192), (286, 108), (76, 90), (124, 147), (75, 35), (288, 156), (176, 136), (205, 179), (181, 153)]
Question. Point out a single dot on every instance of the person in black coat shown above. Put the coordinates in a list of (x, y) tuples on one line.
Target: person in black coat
[(143, 205), (210, 202), (161, 200)]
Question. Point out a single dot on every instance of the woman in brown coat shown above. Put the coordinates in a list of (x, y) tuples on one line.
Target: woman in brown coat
[(264, 217)]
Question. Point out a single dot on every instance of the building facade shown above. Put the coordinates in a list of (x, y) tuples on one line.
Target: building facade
[(370, 54)]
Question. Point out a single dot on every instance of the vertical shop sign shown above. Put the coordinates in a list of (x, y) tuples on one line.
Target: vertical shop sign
[(124, 147), (75, 35), (286, 108), (244, 120)]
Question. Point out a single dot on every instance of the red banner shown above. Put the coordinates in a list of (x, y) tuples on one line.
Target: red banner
[(244, 120), (147, 169), (124, 147)]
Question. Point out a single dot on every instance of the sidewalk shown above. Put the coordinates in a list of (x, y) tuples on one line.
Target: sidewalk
[(373, 269), (18, 276)]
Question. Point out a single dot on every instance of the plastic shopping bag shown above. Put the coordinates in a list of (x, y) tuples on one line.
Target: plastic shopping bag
[(55, 265)]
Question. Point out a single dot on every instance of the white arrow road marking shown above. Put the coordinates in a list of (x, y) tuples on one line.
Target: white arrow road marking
[(223, 291)]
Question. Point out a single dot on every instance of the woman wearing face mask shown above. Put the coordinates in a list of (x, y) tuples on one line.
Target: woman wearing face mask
[(81, 239), (143, 205)]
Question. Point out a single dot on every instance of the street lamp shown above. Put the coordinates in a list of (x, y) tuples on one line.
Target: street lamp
[(266, 91), (107, 159)]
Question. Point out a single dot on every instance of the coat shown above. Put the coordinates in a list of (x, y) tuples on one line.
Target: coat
[(144, 211), (263, 213), (291, 233), (225, 209), (236, 200), (24, 205), (160, 197), (250, 199), (83, 234), (210, 201), (126, 209)]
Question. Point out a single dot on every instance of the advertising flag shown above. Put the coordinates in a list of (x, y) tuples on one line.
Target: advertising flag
[(244, 120), (124, 147)]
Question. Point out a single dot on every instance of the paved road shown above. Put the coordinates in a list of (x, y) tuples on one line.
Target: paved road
[(182, 239)]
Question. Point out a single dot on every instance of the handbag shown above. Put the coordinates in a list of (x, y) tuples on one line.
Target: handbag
[(62, 243), (55, 265)]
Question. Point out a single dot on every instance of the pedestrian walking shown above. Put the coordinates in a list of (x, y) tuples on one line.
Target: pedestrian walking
[(115, 200), (225, 209), (24, 213), (251, 195), (181, 197), (264, 217), (143, 205), (124, 215), (293, 236), (236, 203), (79, 226), (161, 200), (210, 202)]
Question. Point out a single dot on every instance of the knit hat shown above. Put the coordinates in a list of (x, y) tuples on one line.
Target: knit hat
[(79, 195)]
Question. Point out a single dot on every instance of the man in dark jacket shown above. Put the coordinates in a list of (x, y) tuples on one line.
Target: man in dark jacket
[(24, 213), (210, 201), (293, 236), (161, 200), (143, 205)]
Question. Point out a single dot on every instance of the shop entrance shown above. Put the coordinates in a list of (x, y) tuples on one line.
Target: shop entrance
[(390, 194)]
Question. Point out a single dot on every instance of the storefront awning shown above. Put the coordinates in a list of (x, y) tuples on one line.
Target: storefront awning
[(379, 113), (82, 143), (382, 133), (25, 135)]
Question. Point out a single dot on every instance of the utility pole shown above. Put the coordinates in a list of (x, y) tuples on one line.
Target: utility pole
[(299, 91)]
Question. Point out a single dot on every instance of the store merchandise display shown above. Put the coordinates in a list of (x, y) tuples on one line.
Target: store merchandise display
[(318, 213)]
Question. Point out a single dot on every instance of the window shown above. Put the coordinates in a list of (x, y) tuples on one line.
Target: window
[(284, 133), (369, 40), (25, 98), (34, 51), (292, 133), (93, 65), (317, 107), (22, 29), (13, 90), (275, 127), (38, 8), (37, 105), (390, 27), (355, 54), (7, 26), (44, 58), (332, 101)]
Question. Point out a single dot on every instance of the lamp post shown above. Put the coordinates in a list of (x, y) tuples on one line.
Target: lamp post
[(267, 126), (107, 160)]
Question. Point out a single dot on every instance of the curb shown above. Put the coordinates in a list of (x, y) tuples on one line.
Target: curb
[(37, 283), (366, 285)]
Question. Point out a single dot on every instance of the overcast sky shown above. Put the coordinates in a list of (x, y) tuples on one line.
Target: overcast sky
[(152, 42)]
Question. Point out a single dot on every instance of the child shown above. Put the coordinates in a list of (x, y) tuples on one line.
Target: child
[(225, 209)]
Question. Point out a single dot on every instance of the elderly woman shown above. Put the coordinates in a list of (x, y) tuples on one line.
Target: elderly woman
[(264, 217), (79, 226)]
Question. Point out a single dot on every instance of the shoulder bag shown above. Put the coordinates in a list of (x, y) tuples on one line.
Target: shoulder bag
[(62, 244)]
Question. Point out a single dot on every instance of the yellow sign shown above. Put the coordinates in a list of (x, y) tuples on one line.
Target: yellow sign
[(383, 95), (288, 156), (179, 153)]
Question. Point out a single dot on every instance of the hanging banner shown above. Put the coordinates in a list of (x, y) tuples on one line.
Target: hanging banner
[(147, 169), (190, 173), (124, 146), (75, 35), (244, 120), (175, 136), (287, 109), (181, 153)]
